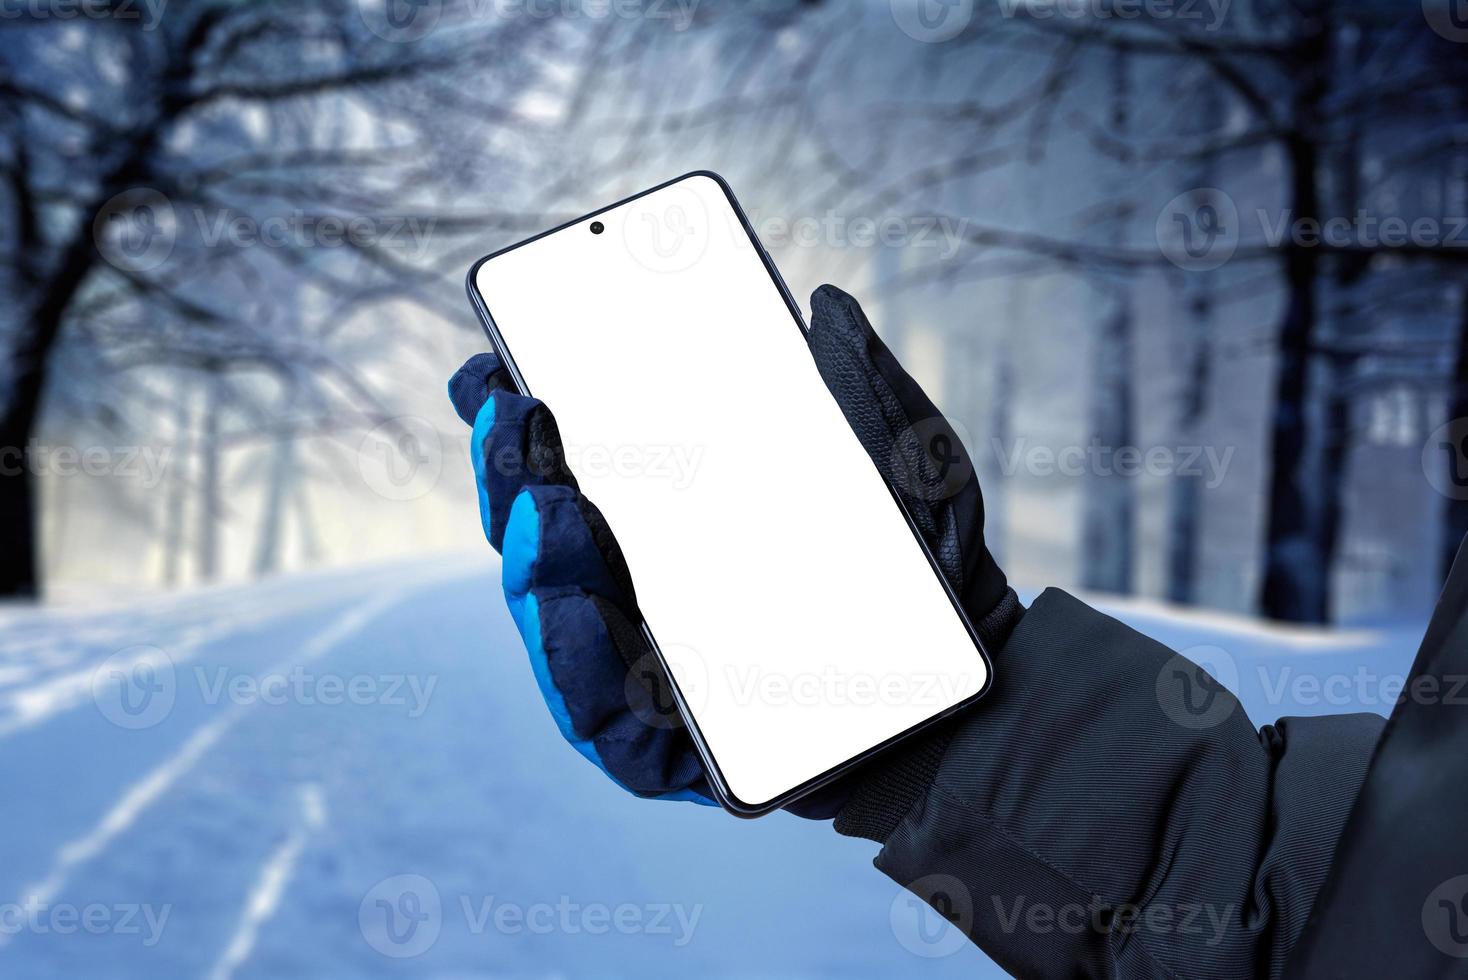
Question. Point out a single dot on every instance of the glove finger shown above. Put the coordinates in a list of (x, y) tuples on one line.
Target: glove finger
[(575, 548), (635, 738), (549, 549), (515, 444), (593, 669), (913, 445), (470, 386)]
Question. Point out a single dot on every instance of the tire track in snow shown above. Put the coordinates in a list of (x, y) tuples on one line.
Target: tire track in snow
[(276, 873), (144, 793), (22, 707)]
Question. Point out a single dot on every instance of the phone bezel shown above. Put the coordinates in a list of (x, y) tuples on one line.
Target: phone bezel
[(726, 796)]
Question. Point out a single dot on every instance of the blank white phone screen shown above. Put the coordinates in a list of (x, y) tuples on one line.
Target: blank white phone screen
[(792, 603)]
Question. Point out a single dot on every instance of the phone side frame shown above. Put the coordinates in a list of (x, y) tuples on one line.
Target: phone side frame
[(726, 797)]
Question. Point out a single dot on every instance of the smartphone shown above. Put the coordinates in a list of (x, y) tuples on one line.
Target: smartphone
[(783, 585)]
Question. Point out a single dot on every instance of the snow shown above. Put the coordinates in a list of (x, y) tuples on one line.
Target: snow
[(340, 768)]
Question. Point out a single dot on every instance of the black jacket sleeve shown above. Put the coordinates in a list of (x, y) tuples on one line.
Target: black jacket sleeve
[(1396, 902), (1109, 810)]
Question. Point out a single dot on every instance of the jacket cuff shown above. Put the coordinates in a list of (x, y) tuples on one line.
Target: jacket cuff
[(884, 796), (880, 801)]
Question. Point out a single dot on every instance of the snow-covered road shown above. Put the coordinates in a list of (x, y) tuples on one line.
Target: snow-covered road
[(351, 774)]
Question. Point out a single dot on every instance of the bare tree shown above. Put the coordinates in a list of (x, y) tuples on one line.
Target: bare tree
[(1282, 70), (1108, 528), (1185, 512), (126, 195)]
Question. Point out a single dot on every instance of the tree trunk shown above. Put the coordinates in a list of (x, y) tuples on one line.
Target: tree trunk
[(277, 491), (1108, 516), (176, 502), (18, 573), (36, 336), (1455, 513), (1455, 510), (311, 550), (1297, 551), (1001, 435), (209, 503), (1185, 518)]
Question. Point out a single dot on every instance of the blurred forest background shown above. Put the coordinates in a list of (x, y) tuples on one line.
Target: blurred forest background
[(1187, 274), (235, 235)]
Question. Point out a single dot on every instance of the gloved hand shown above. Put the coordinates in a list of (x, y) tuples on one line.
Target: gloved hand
[(571, 594)]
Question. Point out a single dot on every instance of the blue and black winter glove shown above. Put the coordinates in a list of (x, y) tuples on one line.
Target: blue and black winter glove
[(571, 594)]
